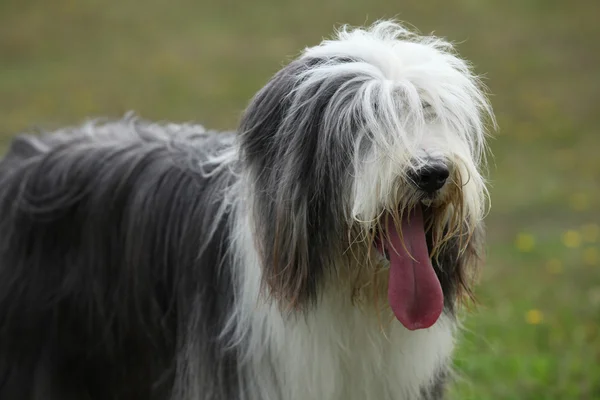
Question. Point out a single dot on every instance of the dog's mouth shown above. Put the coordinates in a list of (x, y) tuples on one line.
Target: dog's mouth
[(414, 290)]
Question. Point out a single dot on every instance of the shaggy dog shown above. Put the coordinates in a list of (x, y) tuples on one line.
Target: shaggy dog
[(319, 253)]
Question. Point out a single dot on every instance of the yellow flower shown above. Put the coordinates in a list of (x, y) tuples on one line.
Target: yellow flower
[(525, 242), (571, 239), (579, 201), (590, 232), (554, 266), (591, 256), (534, 317)]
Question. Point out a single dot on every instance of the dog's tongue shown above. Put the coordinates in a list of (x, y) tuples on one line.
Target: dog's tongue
[(414, 291)]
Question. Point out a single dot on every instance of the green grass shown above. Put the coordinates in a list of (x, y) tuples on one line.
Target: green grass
[(536, 333)]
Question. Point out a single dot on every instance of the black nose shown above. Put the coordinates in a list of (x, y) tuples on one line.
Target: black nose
[(431, 178)]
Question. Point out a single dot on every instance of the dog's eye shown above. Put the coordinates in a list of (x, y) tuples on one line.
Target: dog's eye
[(425, 105)]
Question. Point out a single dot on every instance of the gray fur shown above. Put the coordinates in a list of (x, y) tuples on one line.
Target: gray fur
[(302, 174), (104, 290)]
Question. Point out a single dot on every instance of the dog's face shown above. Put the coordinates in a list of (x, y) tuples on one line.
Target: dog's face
[(364, 160)]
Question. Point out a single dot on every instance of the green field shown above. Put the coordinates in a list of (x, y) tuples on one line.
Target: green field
[(536, 332)]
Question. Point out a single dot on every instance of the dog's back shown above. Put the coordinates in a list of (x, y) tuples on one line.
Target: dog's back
[(102, 260)]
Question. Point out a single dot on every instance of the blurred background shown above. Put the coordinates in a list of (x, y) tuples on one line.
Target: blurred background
[(536, 332)]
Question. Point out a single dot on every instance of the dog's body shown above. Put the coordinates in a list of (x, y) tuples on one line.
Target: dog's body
[(147, 261)]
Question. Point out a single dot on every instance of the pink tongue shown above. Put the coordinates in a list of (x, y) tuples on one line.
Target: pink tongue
[(414, 291)]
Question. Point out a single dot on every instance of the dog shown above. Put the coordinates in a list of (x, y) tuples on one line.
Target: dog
[(321, 251)]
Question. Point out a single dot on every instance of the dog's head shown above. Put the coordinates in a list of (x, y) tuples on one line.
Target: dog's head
[(363, 157)]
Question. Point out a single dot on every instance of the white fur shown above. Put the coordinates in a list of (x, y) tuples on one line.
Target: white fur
[(400, 72), (337, 351)]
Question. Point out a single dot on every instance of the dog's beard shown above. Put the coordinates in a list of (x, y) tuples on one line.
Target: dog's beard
[(407, 240)]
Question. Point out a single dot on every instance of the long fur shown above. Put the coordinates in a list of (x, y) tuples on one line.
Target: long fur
[(164, 261)]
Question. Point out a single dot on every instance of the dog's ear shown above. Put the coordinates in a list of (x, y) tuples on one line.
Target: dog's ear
[(275, 153), (296, 181)]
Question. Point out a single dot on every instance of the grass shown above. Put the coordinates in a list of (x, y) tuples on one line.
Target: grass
[(536, 333)]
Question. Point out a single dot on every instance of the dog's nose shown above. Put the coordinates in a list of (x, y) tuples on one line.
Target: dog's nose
[(431, 178)]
